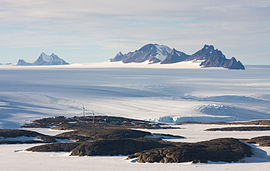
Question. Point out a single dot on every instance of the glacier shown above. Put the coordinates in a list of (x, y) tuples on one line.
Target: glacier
[(172, 95)]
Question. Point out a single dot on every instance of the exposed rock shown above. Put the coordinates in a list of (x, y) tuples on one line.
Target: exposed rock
[(206, 52), (55, 147), (215, 58), (23, 63), (103, 147), (153, 150), (166, 136), (79, 123), (174, 57), (262, 141), (53, 59), (7, 134), (226, 63), (155, 53), (217, 150), (118, 57), (242, 128), (45, 59), (103, 133), (117, 147)]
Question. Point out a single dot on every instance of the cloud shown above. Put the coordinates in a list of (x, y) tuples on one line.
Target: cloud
[(126, 25)]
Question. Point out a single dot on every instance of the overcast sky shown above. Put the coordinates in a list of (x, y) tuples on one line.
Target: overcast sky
[(95, 30)]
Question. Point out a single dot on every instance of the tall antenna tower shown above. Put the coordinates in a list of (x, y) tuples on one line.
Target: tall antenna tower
[(83, 110), (93, 118)]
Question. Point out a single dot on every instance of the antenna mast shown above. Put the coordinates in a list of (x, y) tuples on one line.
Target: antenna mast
[(93, 118), (83, 110)]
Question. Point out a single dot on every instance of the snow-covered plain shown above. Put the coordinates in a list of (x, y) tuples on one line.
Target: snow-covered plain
[(153, 93), (14, 158), (169, 95)]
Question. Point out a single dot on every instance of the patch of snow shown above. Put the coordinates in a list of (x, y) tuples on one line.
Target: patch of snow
[(47, 131), (162, 51), (46, 57)]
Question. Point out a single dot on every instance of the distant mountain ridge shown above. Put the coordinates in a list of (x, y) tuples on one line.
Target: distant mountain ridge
[(44, 59), (155, 53)]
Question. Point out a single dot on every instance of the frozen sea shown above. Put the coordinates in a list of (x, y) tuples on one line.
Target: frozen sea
[(168, 95)]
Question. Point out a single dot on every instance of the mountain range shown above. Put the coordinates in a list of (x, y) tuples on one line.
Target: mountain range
[(155, 53), (44, 59)]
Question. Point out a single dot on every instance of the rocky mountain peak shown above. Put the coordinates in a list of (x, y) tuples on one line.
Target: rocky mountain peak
[(45, 59), (23, 62), (118, 57), (208, 47), (155, 53)]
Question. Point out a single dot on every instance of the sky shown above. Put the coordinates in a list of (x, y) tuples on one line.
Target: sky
[(85, 31)]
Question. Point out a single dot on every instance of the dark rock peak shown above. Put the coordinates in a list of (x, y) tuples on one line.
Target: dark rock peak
[(206, 52), (155, 53), (120, 54), (208, 47), (174, 57), (45, 59), (233, 59), (174, 51), (223, 62), (118, 57), (23, 62)]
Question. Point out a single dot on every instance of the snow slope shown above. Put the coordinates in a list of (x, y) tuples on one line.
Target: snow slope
[(171, 94), (180, 65), (28, 93), (162, 51)]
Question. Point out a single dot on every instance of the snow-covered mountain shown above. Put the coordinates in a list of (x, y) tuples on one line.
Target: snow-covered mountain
[(45, 59), (154, 53)]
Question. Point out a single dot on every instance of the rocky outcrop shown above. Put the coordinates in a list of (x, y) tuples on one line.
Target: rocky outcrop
[(154, 53), (242, 128), (262, 141), (14, 136), (102, 133), (154, 150), (124, 146), (118, 57), (215, 58), (116, 147), (174, 57), (55, 147), (217, 150), (45, 59), (23, 63), (53, 59)]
